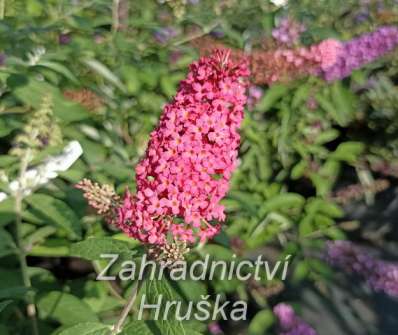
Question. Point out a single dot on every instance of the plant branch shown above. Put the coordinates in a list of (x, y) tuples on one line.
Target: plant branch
[(117, 328), (112, 289), (115, 15), (31, 308), (2, 9)]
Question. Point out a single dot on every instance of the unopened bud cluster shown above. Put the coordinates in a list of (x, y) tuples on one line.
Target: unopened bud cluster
[(102, 198)]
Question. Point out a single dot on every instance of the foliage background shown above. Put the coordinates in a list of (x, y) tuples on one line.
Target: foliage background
[(108, 68)]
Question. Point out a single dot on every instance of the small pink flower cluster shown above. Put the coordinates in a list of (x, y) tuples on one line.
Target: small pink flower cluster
[(317, 56), (330, 59), (288, 31), (285, 64), (190, 157), (327, 52)]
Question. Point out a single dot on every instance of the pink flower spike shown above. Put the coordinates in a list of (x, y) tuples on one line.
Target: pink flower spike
[(197, 138)]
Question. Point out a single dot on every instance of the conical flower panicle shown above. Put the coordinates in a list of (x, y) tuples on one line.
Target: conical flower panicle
[(190, 157), (380, 275), (360, 51)]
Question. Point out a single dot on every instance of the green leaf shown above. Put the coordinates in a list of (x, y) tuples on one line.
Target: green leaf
[(57, 212), (138, 327), (320, 267), (271, 97), (330, 209), (65, 308), (331, 110), (130, 76), (6, 160), (261, 322), (301, 95), (57, 67), (92, 248), (191, 290), (306, 226), (5, 129), (105, 72), (141, 328), (301, 271), (7, 245), (53, 247), (323, 221), (168, 85), (16, 292), (171, 327), (348, 151), (155, 288), (218, 252), (345, 102), (326, 176), (327, 136), (335, 233), (4, 304), (31, 91), (282, 201), (93, 152), (86, 328), (39, 235), (7, 214), (149, 77), (299, 169)]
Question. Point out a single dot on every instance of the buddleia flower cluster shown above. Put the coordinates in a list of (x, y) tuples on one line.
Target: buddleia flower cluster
[(362, 50), (190, 157), (188, 163), (281, 64), (289, 323), (288, 31), (356, 192), (380, 275), (330, 59)]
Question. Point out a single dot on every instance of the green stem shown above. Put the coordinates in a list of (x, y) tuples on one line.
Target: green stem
[(112, 289), (2, 9), (118, 327), (31, 308), (115, 15)]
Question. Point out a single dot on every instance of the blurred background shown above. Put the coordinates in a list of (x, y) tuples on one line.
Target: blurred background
[(318, 159)]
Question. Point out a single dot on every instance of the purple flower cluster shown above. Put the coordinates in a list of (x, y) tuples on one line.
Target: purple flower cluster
[(289, 323), (215, 329), (3, 58), (380, 275), (165, 34), (361, 51), (288, 31), (254, 95), (64, 39)]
